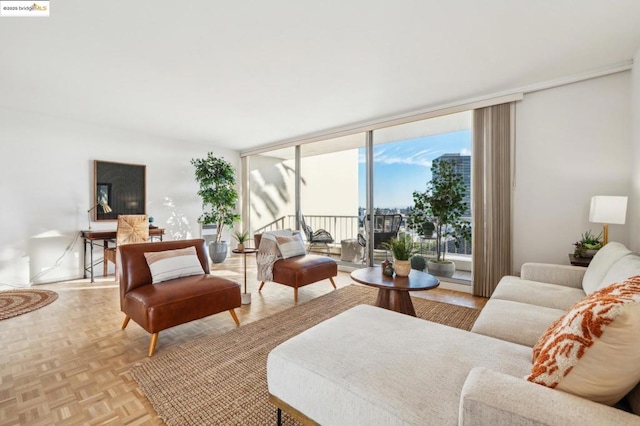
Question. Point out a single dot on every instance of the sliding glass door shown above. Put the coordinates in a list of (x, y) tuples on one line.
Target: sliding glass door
[(360, 199), (403, 156)]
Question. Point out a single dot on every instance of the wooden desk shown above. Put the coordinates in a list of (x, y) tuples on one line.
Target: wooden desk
[(91, 236)]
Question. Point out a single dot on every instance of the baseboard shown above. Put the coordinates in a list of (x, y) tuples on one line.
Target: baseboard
[(464, 288)]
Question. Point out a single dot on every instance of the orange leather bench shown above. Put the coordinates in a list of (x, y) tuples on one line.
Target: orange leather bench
[(156, 307), (299, 271)]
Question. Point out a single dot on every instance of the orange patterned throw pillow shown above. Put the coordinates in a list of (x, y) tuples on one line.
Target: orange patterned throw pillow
[(593, 350)]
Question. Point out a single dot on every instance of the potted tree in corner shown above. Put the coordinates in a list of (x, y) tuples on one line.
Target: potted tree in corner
[(443, 203), (217, 180)]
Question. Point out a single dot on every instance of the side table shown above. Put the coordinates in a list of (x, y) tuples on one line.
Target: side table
[(579, 261), (246, 297)]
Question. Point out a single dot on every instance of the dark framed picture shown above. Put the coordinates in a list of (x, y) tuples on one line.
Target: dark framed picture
[(121, 187)]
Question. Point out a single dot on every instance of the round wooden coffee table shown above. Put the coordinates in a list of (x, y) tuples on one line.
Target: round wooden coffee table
[(393, 292)]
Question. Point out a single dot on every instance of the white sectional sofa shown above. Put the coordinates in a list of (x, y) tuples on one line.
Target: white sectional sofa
[(370, 366)]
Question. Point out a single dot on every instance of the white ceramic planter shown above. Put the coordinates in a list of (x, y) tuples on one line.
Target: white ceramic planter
[(402, 267)]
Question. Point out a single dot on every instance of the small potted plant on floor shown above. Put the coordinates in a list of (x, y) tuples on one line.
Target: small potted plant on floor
[(402, 248)]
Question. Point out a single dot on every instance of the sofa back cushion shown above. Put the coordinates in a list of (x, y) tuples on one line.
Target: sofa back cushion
[(627, 266), (601, 264)]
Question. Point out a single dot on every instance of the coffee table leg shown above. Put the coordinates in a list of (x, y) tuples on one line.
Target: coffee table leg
[(395, 300)]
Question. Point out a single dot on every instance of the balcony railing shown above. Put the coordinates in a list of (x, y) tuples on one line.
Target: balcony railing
[(340, 227), (348, 227)]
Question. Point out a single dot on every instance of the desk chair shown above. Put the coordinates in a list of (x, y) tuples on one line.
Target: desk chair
[(131, 229)]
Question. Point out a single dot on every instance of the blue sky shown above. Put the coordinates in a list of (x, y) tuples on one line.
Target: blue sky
[(403, 167)]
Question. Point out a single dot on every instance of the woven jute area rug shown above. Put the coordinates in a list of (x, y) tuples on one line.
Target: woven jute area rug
[(221, 380), (17, 302)]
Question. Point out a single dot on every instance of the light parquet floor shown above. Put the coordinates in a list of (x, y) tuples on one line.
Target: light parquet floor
[(68, 363)]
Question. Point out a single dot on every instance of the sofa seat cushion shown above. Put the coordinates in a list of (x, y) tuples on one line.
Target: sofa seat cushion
[(515, 322), (537, 293), (302, 270), (169, 303), (369, 365)]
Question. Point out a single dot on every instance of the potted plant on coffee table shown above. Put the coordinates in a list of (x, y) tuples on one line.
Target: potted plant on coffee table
[(443, 203), (402, 248), (217, 180)]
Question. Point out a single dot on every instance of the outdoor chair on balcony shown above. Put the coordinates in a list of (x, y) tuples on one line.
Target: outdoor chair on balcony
[(385, 227), (318, 237)]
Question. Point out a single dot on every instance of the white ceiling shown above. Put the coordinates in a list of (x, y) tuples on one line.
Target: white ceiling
[(241, 74)]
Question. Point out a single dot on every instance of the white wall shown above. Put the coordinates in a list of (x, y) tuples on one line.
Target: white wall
[(633, 214), (572, 142), (330, 187), (46, 180), (331, 184)]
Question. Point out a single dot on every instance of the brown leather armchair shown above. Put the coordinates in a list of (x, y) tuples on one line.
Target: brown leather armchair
[(299, 271), (156, 307)]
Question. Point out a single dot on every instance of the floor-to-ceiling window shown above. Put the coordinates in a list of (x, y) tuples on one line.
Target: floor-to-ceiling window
[(402, 159), (334, 175)]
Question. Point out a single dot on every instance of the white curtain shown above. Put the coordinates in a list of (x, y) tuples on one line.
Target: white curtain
[(492, 242)]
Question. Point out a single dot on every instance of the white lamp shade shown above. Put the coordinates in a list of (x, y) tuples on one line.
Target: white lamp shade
[(608, 209)]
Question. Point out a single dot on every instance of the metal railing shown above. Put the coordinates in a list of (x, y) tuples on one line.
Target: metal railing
[(348, 227), (340, 227)]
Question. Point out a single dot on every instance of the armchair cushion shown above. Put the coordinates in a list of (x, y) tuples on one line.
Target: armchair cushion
[(290, 246), (593, 350), (171, 264)]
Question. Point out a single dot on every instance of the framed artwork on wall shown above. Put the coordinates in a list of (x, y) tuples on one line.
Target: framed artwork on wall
[(121, 187)]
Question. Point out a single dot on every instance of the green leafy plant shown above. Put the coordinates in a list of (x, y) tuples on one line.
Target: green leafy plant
[(419, 219), (402, 247), (443, 204), (588, 241), (241, 236), (217, 180)]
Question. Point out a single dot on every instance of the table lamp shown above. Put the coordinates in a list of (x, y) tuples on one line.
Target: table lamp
[(607, 209), (105, 208)]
